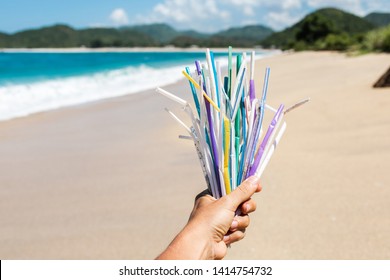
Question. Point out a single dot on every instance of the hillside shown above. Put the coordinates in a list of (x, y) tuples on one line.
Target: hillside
[(378, 19), (107, 37), (327, 28), (251, 33), (246, 36), (318, 25), (54, 37), (63, 36), (159, 32)]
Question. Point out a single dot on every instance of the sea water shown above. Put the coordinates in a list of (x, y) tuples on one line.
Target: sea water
[(33, 82)]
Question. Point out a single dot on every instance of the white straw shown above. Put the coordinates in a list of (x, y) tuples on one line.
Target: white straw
[(172, 96), (268, 156), (179, 121)]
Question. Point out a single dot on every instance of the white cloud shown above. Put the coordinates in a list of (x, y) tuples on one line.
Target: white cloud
[(249, 11), (213, 15), (119, 17), (376, 6), (279, 20), (188, 14), (291, 4)]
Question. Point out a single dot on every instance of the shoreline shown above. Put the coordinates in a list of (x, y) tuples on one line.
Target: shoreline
[(32, 90), (111, 180), (119, 49)]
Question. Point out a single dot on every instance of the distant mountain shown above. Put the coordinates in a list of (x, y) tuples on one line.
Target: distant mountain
[(111, 37), (3, 36), (195, 34), (160, 32), (378, 19), (63, 36), (330, 20), (324, 29), (54, 36), (246, 36), (250, 32), (346, 22)]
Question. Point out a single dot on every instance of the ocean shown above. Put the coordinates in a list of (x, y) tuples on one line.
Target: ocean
[(32, 82)]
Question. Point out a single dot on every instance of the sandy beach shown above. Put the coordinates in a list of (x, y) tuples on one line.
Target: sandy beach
[(111, 179)]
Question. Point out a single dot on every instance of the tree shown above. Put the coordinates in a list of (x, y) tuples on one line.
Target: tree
[(315, 27)]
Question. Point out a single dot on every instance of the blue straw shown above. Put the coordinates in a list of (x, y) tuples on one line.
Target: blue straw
[(194, 95)]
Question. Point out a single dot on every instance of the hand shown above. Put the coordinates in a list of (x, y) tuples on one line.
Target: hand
[(213, 224)]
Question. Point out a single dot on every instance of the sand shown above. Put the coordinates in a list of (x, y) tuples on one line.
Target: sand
[(111, 180)]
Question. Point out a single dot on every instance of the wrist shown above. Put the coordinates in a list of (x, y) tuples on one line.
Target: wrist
[(189, 244)]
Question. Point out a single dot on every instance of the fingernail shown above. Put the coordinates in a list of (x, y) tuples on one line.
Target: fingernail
[(234, 224), (226, 238), (247, 208)]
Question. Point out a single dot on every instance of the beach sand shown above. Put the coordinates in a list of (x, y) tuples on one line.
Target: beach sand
[(111, 179)]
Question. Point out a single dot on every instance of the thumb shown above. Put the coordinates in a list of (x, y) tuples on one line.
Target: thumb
[(244, 191)]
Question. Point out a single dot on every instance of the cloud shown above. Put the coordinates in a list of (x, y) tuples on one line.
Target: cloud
[(291, 4), (213, 15), (280, 19), (377, 5), (119, 17), (188, 14)]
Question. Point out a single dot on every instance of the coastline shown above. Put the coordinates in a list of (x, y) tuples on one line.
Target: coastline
[(118, 49), (111, 180), (40, 93)]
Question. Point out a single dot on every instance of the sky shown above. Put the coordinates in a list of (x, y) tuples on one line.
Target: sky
[(204, 16)]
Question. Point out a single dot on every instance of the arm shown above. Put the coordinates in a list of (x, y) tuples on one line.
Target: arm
[(213, 224)]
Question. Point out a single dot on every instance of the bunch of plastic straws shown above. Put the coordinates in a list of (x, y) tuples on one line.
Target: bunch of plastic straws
[(227, 127)]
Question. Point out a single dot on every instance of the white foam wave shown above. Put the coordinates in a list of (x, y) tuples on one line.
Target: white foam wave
[(25, 99)]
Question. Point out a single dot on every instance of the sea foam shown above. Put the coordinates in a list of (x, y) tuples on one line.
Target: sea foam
[(17, 100), (22, 99)]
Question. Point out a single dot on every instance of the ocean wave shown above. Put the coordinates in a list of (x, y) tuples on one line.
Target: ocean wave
[(17, 100)]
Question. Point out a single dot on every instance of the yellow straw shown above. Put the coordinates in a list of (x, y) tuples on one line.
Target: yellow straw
[(226, 174), (198, 87)]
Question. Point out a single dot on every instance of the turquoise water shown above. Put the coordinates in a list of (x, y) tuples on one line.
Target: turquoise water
[(32, 67), (32, 82)]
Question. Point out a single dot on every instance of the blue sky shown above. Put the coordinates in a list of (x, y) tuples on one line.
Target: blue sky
[(204, 16)]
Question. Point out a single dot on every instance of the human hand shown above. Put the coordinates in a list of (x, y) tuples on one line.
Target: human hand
[(213, 224)]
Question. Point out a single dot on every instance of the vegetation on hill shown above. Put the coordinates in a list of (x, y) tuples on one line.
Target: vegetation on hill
[(327, 28), (247, 33), (378, 19), (110, 37), (377, 40), (247, 36), (62, 36), (159, 32), (324, 29), (53, 37)]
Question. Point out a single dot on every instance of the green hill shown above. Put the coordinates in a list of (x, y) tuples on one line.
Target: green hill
[(52, 37), (247, 36), (63, 36), (254, 33), (378, 19), (160, 32), (4, 38), (194, 34), (346, 22), (318, 25), (111, 37)]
